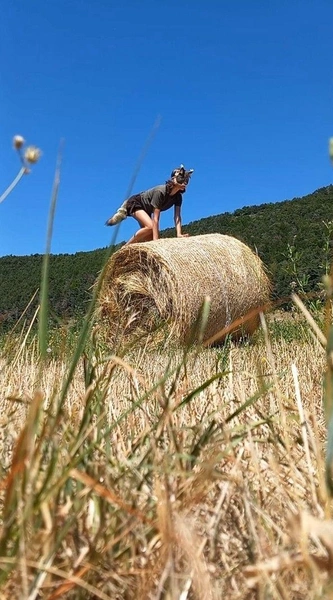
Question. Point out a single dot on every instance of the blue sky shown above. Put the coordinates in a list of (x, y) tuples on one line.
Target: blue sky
[(243, 89)]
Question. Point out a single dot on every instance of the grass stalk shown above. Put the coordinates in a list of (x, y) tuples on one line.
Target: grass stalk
[(23, 170)]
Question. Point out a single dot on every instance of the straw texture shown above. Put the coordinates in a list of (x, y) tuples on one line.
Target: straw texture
[(168, 280)]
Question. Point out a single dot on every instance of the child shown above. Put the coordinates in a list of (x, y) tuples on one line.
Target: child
[(147, 206)]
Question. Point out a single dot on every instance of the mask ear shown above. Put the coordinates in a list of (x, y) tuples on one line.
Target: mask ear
[(187, 175)]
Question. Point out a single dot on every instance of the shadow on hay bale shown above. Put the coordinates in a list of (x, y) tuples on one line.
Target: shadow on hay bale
[(167, 281)]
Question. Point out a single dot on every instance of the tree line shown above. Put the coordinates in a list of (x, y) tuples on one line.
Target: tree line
[(294, 239)]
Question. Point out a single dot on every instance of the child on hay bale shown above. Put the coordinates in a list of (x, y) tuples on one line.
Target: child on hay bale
[(147, 206)]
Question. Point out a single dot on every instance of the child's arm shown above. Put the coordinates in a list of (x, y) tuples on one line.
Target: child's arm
[(178, 223), (156, 223)]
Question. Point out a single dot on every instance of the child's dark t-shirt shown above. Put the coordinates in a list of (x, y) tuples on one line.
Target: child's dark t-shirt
[(157, 197)]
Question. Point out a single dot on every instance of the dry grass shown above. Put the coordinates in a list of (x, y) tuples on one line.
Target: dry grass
[(198, 475), (168, 280)]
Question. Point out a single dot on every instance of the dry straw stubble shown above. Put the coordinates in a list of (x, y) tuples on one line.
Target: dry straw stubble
[(166, 281)]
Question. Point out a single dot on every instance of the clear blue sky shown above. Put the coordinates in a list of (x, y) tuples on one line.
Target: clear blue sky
[(244, 89)]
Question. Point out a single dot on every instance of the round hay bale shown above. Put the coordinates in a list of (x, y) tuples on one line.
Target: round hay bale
[(167, 281)]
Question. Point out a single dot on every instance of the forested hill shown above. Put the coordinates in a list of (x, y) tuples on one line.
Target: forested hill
[(289, 236)]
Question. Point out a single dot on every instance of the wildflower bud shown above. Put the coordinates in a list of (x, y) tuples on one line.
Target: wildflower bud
[(18, 142), (32, 154)]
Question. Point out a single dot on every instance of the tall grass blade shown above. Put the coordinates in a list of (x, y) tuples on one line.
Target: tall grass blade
[(199, 326), (328, 404), (43, 314), (87, 323), (143, 155), (201, 388), (250, 401)]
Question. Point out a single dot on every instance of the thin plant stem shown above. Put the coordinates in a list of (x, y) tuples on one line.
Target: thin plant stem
[(10, 188), (43, 315)]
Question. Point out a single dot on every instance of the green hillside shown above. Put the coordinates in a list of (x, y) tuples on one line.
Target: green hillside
[(303, 224)]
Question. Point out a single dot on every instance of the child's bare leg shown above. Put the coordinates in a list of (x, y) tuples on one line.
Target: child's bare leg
[(145, 234)]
